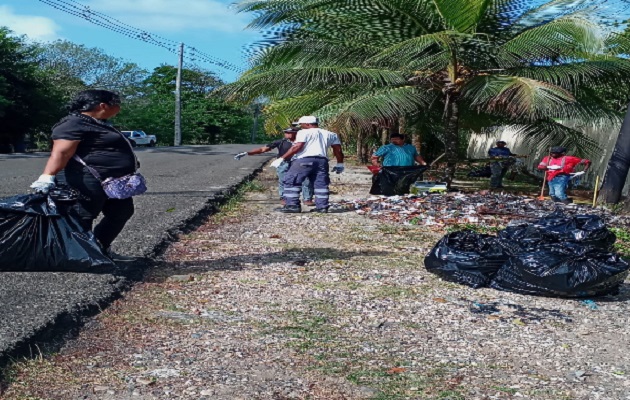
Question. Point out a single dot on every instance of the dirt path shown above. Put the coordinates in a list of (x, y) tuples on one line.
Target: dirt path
[(260, 305)]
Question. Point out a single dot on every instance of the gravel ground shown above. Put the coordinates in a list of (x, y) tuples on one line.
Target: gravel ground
[(260, 305)]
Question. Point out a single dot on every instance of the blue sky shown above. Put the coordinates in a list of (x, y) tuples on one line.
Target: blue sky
[(211, 26)]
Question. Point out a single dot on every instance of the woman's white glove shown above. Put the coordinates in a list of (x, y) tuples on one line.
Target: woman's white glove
[(277, 162), (240, 155), (43, 184)]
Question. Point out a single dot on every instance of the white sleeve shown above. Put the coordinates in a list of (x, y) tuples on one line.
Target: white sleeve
[(300, 137)]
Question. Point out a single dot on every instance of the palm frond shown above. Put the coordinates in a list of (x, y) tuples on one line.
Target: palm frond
[(597, 71), (516, 97), (282, 83), (462, 15), (560, 39)]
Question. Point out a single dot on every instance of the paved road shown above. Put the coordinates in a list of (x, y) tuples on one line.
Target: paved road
[(35, 308)]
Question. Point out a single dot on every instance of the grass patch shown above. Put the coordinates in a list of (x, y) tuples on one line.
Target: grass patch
[(622, 245)]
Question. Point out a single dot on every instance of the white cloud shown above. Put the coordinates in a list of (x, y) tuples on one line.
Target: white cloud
[(174, 15), (35, 27)]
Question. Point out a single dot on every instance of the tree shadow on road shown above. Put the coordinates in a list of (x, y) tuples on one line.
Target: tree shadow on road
[(293, 258)]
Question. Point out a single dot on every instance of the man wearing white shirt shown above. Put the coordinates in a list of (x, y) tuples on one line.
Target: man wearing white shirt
[(311, 161)]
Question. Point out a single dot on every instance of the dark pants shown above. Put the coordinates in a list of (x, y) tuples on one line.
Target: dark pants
[(316, 170), (115, 212)]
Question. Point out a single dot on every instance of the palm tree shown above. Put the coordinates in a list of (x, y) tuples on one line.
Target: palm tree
[(477, 64)]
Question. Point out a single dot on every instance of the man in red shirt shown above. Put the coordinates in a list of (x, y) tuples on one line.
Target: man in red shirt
[(559, 167)]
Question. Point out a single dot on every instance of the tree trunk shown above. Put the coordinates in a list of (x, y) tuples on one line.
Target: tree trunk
[(416, 140), (385, 136), (361, 139), (451, 137), (618, 166)]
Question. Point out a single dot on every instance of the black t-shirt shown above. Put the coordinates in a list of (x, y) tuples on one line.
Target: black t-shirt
[(102, 146), (283, 145)]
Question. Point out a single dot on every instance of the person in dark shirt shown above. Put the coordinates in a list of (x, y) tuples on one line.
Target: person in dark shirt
[(86, 133), (283, 145), (499, 168)]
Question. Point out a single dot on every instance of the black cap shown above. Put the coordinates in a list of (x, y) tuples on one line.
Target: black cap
[(501, 141), (558, 149), (290, 130), (396, 135)]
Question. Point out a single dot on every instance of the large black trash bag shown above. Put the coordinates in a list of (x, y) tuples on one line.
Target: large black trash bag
[(396, 181), (466, 257), (36, 236), (585, 229), (523, 237), (563, 270), (481, 172)]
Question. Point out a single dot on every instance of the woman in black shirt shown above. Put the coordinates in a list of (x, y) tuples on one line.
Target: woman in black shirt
[(86, 133)]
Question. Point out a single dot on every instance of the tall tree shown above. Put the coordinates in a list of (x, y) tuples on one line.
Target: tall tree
[(73, 67), (27, 101), (206, 119), (474, 63)]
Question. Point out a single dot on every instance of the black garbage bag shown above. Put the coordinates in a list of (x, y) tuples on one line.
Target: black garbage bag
[(563, 270), (524, 237), (393, 181), (466, 257), (481, 172), (36, 236), (585, 229)]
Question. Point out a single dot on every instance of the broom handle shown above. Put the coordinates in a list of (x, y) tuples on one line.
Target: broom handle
[(542, 189)]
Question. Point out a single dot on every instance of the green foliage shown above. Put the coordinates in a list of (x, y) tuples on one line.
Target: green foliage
[(28, 102), (449, 66), (622, 245), (206, 119)]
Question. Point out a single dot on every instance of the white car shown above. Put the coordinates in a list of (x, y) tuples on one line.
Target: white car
[(139, 138)]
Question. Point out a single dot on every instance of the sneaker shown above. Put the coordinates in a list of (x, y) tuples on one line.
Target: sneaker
[(309, 203), (320, 210), (289, 209)]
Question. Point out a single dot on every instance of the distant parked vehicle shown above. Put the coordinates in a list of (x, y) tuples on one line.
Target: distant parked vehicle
[(139, 138)]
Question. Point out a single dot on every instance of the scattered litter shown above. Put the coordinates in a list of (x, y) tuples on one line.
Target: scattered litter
[(590, 304), (437, 211)]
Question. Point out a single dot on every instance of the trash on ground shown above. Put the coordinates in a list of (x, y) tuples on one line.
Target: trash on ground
[(438, 211)]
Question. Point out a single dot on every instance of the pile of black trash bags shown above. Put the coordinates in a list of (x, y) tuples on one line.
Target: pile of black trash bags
[(42, 233), (558, 256)]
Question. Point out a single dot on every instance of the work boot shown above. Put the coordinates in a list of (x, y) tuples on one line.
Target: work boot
[(289, 209), (309, 203), (568, 200), (320, 210), (555, 199)]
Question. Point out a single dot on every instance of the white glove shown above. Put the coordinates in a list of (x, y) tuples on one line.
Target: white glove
[(277, 162), (577, 174), (43, 184), (240, 155), (338, 168), (554, 167)]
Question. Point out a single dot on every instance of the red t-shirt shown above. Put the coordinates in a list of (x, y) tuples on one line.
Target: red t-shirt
[(567, 163)]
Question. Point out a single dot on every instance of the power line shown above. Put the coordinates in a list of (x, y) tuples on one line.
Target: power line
[(97, 18)]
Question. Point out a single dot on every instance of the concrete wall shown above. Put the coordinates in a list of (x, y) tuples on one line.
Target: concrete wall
[(479, 145)]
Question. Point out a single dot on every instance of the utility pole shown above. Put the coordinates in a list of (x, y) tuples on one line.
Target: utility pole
[(178, 98), (255, 127)]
